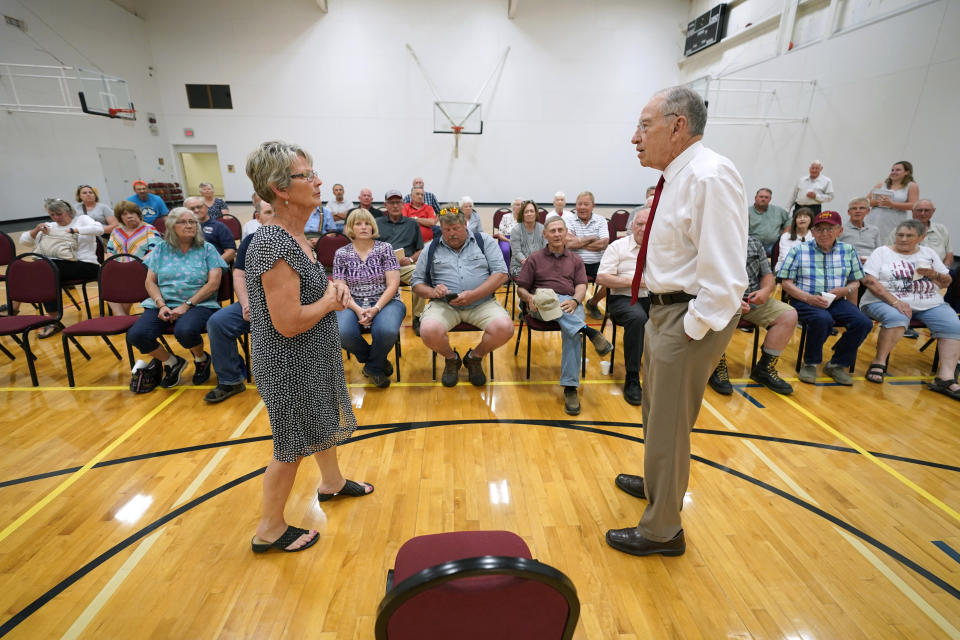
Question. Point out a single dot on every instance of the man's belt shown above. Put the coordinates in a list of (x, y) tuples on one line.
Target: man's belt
[(678, 297)]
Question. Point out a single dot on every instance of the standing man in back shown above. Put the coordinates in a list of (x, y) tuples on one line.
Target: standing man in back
[(692, 259)]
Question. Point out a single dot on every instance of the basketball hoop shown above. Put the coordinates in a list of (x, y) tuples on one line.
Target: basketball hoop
[(126, 114), (456, 140)]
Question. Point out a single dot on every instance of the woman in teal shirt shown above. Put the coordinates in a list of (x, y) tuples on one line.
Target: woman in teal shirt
[(183, 277)]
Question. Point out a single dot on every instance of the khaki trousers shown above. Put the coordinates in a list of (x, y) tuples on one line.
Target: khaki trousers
[(416, 302), (675, 374)]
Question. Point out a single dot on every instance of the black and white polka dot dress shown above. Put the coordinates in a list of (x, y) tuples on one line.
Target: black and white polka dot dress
[(301, 378)]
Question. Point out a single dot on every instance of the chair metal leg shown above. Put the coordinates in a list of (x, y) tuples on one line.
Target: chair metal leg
[(7, 352), (396, 358), (86, 300), (72, 299), (583, 355), (803, 339), (516, 346), (491, 365), (433, 363), (19, 342), (529, 338), (756, 347), (67, 361), (79, 347), (25, 343), (112, 348), (129, 353), (613, 353)]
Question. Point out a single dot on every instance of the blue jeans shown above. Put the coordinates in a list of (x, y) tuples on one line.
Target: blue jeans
[(941, 320), (224, 328), (384, 333), (820, 321), (188, 329), (570, 326)]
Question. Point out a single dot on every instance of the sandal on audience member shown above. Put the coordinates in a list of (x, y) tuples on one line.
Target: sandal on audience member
[(350, 489), (875, 373), (289, 537), (943, 386), (50, 330)]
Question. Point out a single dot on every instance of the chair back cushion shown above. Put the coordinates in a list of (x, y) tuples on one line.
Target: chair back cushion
[(32, 278), (7, 249), (327, 246), (122, 279)]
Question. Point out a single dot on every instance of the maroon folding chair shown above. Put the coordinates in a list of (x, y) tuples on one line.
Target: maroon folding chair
[(33, 279), (122, 279), (535, 324), (327, 246), (463, 326), (542, 216), (7, 251), (233, 224), (619, 219), (474, 585), (498, 216), (160, 224)]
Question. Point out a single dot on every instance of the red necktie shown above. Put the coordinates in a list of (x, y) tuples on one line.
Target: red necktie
[(642, 256)]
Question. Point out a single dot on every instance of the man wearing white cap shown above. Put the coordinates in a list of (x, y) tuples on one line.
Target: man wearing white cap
[(552, 283)]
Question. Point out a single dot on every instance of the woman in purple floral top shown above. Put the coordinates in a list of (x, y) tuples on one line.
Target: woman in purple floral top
[(370, 270)]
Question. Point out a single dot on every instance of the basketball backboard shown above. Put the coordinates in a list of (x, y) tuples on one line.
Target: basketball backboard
[(103, 95), (457, 117)]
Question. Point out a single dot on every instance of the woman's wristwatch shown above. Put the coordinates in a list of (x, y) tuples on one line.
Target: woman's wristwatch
[(189, 303)]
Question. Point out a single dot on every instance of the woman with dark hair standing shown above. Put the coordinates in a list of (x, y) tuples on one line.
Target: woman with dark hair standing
[(297, 362), (892, 200)]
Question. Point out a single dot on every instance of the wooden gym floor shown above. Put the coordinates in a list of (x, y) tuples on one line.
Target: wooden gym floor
[(831, 513)]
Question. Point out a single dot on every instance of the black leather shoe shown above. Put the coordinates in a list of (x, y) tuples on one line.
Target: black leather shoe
[(571, 401), (630, 541), (631, 484), (632, 392)]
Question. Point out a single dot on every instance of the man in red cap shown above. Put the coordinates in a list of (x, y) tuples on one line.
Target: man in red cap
[(150, 204), (818, 276)]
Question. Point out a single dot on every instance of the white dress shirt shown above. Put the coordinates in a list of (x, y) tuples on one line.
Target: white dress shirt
[(698, 238), (620, 259), (822, 188), (251, 227)]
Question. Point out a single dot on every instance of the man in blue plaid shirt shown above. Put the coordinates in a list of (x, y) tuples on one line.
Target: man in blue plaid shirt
[(818, 276)]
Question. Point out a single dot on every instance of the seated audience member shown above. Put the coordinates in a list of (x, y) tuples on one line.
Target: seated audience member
[(216, 207), (183, 276), (259, 209), (88, 202), (339, 208), (370, 270), (617, 267), (813, 190), (552, 285), (799, 233), (365, 198), (936, 236), (228, 324), (472, 216), (862, 236), (762, 309), (69, 240), (151, 205), (421, 212), (526, 237), (588, 235), (559, 208), (818, 276), (132, 236), (321, 222), (903, 282), (403, 234), (428, 197), (767, 221), (214, 231), (507, 222), (458, 277)]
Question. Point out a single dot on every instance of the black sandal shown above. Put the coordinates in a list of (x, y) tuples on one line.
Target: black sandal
[(350, 490), (943, 386), (877, 371), (289, 537)]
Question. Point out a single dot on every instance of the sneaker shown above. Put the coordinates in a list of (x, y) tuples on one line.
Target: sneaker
[(201, 370), (387, 368), (593, 310), (633, 392), (601, 344), (172, 374), (381, 380), (765, 372), (223, 391), (474, 365), (808, 373), (720, 378), (145, 379), (571, 401), (911, 334), (839, 373), (451, 370)]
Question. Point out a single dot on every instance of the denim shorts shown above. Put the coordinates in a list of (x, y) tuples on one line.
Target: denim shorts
[(941, 320)]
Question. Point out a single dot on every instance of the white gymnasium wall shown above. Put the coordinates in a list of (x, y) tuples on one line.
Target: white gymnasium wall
[(887, 89), (44, 155), (559, 116)]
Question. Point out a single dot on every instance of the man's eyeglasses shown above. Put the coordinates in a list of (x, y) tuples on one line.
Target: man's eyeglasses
[(307, 175), (197, 207), (643, 125)]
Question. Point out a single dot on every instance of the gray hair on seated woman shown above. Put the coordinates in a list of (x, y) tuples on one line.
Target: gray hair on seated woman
[(170, 234)]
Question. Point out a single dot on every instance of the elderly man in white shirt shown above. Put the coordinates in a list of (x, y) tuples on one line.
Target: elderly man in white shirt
[(814, 189), (617, 266), (693, 261)]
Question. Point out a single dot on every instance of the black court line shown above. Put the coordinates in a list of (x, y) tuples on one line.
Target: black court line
[(947, 549), (395, 427), (34, 606), (739, 388)]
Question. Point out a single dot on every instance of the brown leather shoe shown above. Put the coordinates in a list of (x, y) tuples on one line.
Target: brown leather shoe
[(474, 367), (630, 541), (631, 484), (451, 370), (571, 401)]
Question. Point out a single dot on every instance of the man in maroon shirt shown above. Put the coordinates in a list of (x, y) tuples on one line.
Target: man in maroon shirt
[(423, 213), (555, 278)]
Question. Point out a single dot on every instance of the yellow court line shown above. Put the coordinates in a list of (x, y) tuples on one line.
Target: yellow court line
[(869, 456), (32, 511)]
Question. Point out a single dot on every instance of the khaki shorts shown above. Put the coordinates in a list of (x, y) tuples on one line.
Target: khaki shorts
[(766, 313), (479, 316)]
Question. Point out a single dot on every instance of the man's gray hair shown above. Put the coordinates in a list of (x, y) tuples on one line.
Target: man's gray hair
[(768, 190), (916, 225), (686, 102), (270, 165), (924, 200), (854, 201), (192, 199), (453, 218)]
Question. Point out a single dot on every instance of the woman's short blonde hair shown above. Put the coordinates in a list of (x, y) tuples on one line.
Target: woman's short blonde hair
[(170, 233), (360, 215), (269, 165)]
